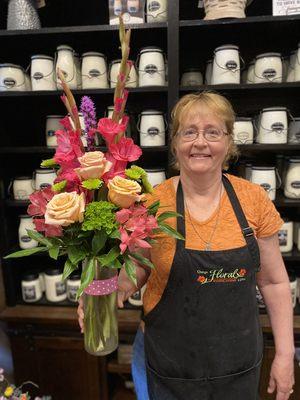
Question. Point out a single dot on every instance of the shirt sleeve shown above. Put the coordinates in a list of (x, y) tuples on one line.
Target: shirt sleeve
[(269, 219)]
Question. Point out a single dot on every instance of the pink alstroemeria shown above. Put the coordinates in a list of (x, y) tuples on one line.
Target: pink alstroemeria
[(50, 230), (110, 129), (123, 215), (134, 241), (69, 149), (39, 200), (125, 150)]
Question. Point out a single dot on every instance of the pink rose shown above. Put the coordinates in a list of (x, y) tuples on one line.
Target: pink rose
[(110, 129), (125, 150), (93, 165)]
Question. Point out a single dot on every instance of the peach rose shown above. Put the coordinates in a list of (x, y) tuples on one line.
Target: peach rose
[(65, 209), (93, 165), (124, 192)]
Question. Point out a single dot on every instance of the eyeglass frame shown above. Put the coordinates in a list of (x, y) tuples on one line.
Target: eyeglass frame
[(198, 131)]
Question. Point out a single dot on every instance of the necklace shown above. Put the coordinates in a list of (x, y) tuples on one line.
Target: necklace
[(207, 243)]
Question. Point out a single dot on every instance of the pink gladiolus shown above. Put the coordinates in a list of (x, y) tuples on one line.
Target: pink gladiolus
[(117, 168), (110, 129), (118, 104), (69, 149), (39, 200), (125, 150), (50, 230), (65, 122)]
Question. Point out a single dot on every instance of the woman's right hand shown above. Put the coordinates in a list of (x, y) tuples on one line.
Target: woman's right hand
[(126, 288)]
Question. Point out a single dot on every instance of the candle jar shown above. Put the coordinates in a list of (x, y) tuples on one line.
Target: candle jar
[(285, 236), (25, 241), (31, 289), (55, 286), (73, 284)]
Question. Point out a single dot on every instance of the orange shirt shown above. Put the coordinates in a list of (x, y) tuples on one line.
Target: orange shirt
[(259, 211)]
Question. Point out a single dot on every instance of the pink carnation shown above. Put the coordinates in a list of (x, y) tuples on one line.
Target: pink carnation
[(125, 150)]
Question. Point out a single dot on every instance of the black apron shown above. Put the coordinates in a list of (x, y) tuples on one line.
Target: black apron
[(203, 339)]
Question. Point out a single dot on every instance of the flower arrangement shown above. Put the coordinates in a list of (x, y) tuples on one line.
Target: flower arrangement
[(95, 212), (12, 392)]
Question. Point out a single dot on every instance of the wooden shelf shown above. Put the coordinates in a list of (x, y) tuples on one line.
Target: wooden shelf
[(244, 87), (278, 148), (116, 368), (293, 255), (282, 201), (17, 203)]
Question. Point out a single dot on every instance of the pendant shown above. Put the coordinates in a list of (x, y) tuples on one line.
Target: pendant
[(207, 247)]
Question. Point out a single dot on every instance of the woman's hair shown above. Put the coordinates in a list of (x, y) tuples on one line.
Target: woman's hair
[(219, 106)]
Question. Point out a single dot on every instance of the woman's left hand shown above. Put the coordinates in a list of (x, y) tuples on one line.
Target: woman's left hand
[(282, 377)]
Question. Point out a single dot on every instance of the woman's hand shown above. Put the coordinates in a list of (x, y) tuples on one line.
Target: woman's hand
[(282, 377)]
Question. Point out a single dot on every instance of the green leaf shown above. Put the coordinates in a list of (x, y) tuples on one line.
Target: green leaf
[(115, 234), (49, 163), (130, 269), (115, 264), (142, 260), (108, 258), (58, 187), (54, 252), (153, 208), (68, 269), (147, 185), (84, 234), (98, 241), (167, 214), (87, 275), (170, 231), (76, 253), (92, 184), (27, 252), (39, 237)]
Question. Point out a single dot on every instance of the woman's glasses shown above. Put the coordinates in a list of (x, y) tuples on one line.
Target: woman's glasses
[(209, 134)]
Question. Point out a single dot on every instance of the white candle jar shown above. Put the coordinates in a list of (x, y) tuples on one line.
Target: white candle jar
[(157, 10), (292, 179), (132, 79), (294, 131), (243, 131), (273, 126), (73, 284), (25, 241), (285, 236), (137, 298), (268, 68), (55, 286), (151, 67), (250, 73), (266, 178), (226, 65), (292, 67), (208, 72), (297, 64), (42, 73), (23, 187), (44, 178), (192, 77), (285, 67), (152, 128), (52, 125), (77, 61), (259, 298), (156, 176), (31, 289), (66, 63), (12, 78), (42, 281), (94, 71)]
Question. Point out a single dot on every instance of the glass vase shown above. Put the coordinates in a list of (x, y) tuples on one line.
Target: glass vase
[(100, 313)]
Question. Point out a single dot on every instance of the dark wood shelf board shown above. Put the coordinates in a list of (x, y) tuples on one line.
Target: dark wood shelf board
[(84, 92), (17, 203), (78, 29), (261, 19), (269, 147), (46, 150), (282, 201), (243, 87), (114, 367), (293, 255)]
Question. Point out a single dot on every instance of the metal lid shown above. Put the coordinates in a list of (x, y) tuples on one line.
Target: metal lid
[(266, 168), (25, 216), (30, 276), (226, 47), (44, 171), (7, 65), (151, 49), (209, 61), (274, 109), (53, 271), (93, 54), (151, 112), (264, 55), (41, 57), (295, 119), (115, 62), (64, 47), (294, 160), (74, 277), (239, 119), (293, 52), (55, 116), (22, 178), (252, 62), (155, 170)]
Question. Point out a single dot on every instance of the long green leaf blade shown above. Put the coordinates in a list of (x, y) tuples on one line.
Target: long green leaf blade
[(170, 231), (27, 252), (98, 241), (108, 258), (68, 269), (142, 260), (130, 269), (87, 275)]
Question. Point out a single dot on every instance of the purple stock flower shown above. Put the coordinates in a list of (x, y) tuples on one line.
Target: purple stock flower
[(87, 108)]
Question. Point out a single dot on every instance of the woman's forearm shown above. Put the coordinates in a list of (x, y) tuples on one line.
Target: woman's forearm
[(277, 297)]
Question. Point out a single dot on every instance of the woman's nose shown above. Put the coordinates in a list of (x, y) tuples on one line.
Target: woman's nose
[(200, 140)]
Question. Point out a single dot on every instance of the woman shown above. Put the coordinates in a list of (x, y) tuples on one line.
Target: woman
[(202, 334)]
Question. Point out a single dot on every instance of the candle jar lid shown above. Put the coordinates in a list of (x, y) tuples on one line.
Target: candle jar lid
[(53, 271), (30, 276), (74, 277)]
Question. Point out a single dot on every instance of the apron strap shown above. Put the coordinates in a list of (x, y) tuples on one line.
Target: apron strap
[(247, 231)]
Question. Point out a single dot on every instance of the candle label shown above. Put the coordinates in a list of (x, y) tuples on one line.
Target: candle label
[(269, 73), (25, 239), (151, 69), (29, 293), (60, 288), (282, 236), (9, 82), (277, 127), (266, 186), (137, 296), (231, 65), (50, 133), (295, 184), (153, 6), (72, 290)]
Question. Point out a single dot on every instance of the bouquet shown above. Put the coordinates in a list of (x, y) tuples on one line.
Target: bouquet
[(95, 213)]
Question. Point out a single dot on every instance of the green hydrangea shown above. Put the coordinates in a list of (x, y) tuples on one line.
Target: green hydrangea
[(92, 184), (139, 174), (59, 187), (100, 215)]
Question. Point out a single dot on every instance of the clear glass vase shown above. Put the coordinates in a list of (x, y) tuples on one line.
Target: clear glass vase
[(100, 317)]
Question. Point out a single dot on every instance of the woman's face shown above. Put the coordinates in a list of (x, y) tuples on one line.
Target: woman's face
[(201, 156)]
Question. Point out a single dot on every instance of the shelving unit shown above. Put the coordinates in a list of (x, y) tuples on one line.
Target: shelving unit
[(187, 41)]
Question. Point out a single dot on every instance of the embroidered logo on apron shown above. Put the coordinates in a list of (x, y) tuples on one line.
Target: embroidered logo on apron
[(218, 276)]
